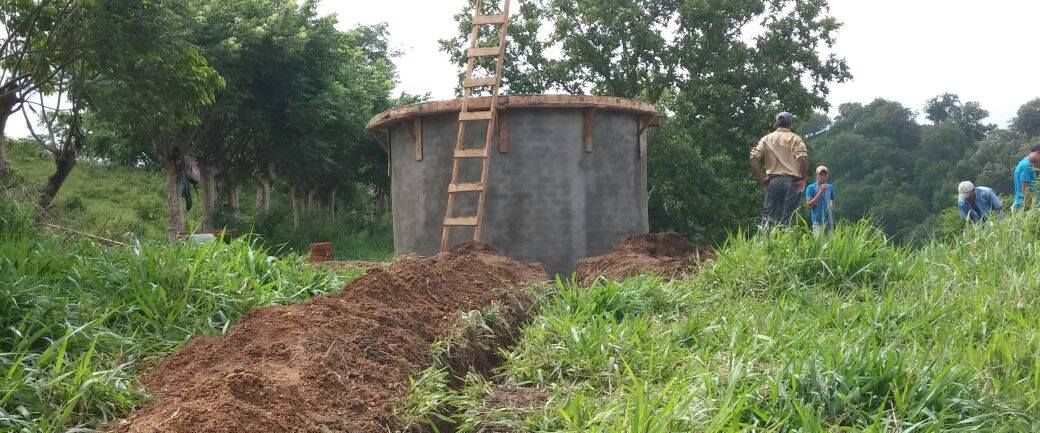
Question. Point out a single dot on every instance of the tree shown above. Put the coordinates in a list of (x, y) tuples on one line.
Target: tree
[(1028, 120), (61, 136), (947, 108), (157, 100), (719, 86), (34, 50), (87, 48)]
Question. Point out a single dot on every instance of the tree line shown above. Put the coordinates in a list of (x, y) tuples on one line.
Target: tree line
[(247, 91), (719, 72), (904, 174)]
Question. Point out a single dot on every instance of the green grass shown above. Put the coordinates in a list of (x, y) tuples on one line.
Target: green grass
[(78, 321), (107, 201), (786, 334)]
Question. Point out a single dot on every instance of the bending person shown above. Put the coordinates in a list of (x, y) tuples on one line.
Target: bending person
[(976, 202)]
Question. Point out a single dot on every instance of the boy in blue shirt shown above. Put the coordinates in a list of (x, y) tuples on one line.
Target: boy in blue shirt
[(1024, 179), (819, 197)]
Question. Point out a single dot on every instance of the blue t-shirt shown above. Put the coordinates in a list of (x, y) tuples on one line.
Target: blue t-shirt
[(819, 213), (1024, 172)]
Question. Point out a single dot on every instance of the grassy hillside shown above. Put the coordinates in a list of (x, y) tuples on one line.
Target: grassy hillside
[(116, 202), (784, 334), (108, 201)]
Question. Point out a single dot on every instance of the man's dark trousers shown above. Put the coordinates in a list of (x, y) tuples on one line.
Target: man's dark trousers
[(782, 199)]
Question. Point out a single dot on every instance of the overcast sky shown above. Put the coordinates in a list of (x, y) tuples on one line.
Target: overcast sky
[(903, 50)]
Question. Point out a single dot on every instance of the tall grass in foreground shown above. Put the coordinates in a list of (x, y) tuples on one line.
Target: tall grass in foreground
[(789, 333), (79, 321)]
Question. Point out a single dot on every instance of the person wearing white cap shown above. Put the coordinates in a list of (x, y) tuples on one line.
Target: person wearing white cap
[(976, 202), (819, 198)]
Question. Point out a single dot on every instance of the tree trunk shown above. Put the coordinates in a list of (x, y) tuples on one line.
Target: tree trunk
[(5, 169), (381, 202), (231, 192), (298, 197), (174, 203), (263, 196), (329, 203), (64, 161), (263, 179), (312, 202), (209, 196)]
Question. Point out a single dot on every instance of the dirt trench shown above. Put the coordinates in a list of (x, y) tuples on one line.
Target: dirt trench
[(338, 363)]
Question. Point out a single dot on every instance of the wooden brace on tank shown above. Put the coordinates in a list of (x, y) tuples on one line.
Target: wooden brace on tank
[(590, 117), (415, 130)]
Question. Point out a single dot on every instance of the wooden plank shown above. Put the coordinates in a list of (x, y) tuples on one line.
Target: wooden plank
[(461, 222), (415, 131), (482, 20), (417, 136), (642, 124), (503, 132), (481, 82), (484, 52), (470, 116), (465, 187), (471, 153), (590, 118), (640, 129), (646, 122)]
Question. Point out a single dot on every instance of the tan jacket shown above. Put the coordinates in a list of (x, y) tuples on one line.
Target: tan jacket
[(781, 150)]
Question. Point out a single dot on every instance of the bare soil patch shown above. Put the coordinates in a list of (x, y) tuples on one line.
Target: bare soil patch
[(667, 254), (338, 363)]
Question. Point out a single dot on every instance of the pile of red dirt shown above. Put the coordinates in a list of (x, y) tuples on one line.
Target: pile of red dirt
[(666, 254), (338, 363)]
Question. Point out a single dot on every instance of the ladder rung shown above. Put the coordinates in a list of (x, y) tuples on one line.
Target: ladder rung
[(465, 187), (484, 51), (475, 115), (480, 82), (461, 221), (471, 153), (489, 19)]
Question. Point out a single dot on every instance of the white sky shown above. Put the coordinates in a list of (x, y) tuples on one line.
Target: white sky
[(903, 50)]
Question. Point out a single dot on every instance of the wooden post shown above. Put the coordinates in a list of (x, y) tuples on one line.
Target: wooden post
[(503, 132), (590, 117), (642, 123), (416, 132)]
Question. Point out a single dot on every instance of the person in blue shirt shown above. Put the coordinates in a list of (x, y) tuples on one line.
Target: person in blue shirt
[(819, 197), (1024, 179), (976, 202)]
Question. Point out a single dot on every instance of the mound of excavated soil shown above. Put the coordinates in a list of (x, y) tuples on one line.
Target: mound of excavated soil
[(666, 254), (338, 363)]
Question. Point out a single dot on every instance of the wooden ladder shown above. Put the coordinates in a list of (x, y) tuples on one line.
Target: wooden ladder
[(467, 115)]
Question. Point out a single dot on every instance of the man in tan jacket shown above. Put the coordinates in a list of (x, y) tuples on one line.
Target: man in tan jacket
[(784, 180)]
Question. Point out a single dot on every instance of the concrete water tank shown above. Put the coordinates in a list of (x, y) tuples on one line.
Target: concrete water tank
[(567, 178)]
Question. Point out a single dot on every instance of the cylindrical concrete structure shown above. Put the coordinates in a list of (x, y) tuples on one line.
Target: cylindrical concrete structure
[(567, 178)]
